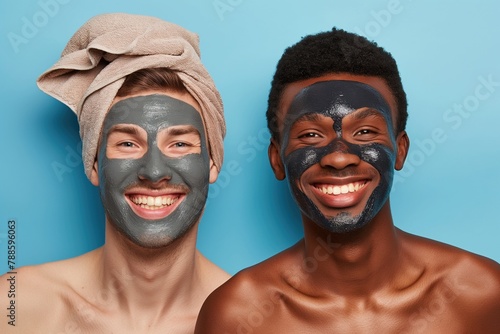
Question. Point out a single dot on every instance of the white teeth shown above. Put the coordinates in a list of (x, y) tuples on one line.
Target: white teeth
[(153, 203), (344, 189), (336, 190)]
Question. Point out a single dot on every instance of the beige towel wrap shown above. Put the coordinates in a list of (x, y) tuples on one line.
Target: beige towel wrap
[(106, 49)]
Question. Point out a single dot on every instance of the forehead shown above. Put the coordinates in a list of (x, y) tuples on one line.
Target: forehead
[(336, 99), (153, 112), (378, 84)]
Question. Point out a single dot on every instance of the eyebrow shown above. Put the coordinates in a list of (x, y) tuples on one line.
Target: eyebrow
[(122, 128), (179, 131), (313, 117), (367, 112)]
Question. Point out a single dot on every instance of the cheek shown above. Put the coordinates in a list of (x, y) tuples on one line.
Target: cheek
[(193, 169), (381, 158), (377, 155), (298, 161), (118, 173)]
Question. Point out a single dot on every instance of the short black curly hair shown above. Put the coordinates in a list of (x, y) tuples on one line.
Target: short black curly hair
[(335, 51)]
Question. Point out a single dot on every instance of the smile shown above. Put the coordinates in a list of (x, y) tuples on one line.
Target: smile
[(153, 203), (340, 189)]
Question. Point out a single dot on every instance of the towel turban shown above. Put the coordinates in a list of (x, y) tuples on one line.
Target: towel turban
[(106, 49)]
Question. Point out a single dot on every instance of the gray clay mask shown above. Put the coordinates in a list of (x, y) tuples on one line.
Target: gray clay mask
[(337, 100), (153, 198)]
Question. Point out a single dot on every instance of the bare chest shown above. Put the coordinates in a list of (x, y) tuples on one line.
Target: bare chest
[(302, 321), (77, 317), (434, 312)]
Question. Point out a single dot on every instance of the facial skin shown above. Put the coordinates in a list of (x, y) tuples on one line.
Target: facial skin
[(339, 151), (153, 168)]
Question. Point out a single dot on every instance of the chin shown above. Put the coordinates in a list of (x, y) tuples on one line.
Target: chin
[(161, 239), (342, 223), (154, 242)]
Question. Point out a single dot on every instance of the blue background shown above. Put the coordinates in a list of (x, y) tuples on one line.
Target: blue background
[(448, 190)]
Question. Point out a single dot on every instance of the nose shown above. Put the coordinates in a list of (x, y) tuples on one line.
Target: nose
[(154, 167), (339, 156)]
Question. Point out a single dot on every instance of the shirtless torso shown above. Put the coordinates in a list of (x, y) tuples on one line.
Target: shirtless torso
[(455, 292), (91, 294)]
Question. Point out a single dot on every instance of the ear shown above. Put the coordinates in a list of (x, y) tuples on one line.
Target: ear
[(273, 152), (94, 175), (214, 172), (403, 145)]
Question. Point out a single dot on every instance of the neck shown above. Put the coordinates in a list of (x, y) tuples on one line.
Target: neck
[(136, 280), (357, 262)]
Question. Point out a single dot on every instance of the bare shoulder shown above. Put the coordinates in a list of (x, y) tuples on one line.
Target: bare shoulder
[(449, 260), (38, 293), (253, 292), (30, 296), (476, 281), (472, 281)]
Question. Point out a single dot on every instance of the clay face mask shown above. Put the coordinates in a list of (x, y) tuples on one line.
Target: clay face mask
[(336, 103), (155, 197)]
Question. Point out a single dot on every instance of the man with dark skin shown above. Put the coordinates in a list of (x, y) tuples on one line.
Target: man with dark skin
[(337, 114)]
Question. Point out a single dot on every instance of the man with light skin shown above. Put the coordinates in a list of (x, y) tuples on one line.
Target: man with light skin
[(337, 115), (153, 164)]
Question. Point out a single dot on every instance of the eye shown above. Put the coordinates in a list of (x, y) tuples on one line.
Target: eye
[(367, 132), (127, 144), (126, 141), (181, 144), (309, 135), (125, 149), (364, 132), (178, 147)]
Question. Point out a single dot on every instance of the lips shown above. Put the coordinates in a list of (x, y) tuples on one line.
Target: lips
[(335, 190), (153, 205), (339, 193)]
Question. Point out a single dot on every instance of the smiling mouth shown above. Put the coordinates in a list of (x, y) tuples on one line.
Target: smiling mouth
[(153, 203), (336, 190)]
